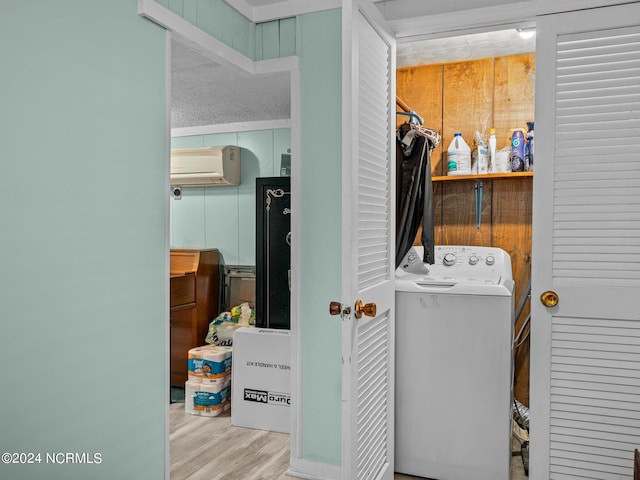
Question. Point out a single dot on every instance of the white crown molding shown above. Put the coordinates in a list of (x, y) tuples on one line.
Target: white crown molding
[(231, 127), (282, 9)]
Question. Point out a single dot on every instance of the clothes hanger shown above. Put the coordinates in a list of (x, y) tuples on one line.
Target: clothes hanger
[(413, 117)]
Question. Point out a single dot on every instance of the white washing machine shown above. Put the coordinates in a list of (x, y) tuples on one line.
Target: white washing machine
[(454, 363)]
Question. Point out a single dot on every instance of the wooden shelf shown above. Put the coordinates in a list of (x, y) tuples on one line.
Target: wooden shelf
[(484, 176)]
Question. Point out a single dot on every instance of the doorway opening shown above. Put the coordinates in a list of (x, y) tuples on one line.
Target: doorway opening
[(470, 84)]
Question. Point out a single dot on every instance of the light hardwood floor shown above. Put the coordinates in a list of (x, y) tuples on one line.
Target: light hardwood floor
[(210, 448)]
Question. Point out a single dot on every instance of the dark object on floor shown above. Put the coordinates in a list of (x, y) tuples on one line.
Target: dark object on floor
[(525, 457), (636, 466), (177, 395)]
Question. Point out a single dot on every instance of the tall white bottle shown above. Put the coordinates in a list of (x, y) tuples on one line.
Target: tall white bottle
[(492, 150), (458, 156)]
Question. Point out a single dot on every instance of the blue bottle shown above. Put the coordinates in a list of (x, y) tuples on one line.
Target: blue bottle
[(528, 149), (517, 151)]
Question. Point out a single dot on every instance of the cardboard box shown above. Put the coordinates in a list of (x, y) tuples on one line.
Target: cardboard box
[(260, 384)]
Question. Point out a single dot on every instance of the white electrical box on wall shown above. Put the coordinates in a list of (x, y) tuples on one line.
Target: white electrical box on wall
[(205, 166)]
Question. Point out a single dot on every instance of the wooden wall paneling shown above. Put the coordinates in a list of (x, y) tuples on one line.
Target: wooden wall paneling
[(459, 226), (467, 100), (421, 88), (521, 360), (514, 99), (438, 233), (514, 94), (512, 232)]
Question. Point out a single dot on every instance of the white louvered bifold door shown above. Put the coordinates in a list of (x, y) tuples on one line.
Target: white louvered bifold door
[(585, 365), (368, 244)]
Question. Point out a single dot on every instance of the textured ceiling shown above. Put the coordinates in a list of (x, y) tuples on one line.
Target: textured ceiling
[(467, 47), (204, 92)]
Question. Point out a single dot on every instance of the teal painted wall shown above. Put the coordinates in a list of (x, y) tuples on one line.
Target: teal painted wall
[(83, 242), (223, 217), (319, 46), (260, 41)]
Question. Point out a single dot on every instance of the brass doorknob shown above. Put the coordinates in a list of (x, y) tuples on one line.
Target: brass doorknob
[(335, 308), (369, 309), (549, 298)]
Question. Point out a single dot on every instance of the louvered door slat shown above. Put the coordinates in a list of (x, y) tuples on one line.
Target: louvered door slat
[(587, 402), (374, 173), (372, 357)]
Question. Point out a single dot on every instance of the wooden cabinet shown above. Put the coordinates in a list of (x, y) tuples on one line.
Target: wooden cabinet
[(193, 302)]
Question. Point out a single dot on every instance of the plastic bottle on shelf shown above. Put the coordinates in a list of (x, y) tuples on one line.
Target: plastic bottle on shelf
[(458, 156), (517, 151), (482, 155), (492, 150), (528, 149)]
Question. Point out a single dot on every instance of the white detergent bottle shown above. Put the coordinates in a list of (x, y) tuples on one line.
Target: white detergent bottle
[(458, 156)]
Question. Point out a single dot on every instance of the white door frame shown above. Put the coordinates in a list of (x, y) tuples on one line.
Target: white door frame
[(225, 55)]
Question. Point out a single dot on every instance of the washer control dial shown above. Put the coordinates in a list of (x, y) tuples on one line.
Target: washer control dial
[(449, 259), (490, 260), (473, 259)]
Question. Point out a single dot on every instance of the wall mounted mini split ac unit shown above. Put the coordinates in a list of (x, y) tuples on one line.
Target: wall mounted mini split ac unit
[(205, 166)]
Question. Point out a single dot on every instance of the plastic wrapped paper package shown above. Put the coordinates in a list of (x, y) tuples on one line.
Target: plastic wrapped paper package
[(209, 364), (222, 328), (207, 400)]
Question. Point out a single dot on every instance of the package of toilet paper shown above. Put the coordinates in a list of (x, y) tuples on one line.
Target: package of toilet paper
[(206, 400), (209, 364)]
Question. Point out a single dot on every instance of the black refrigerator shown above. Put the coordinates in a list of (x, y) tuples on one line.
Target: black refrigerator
[(273, 252)]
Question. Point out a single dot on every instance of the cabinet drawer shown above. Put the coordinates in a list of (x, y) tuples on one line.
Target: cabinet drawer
[(183, 290)]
